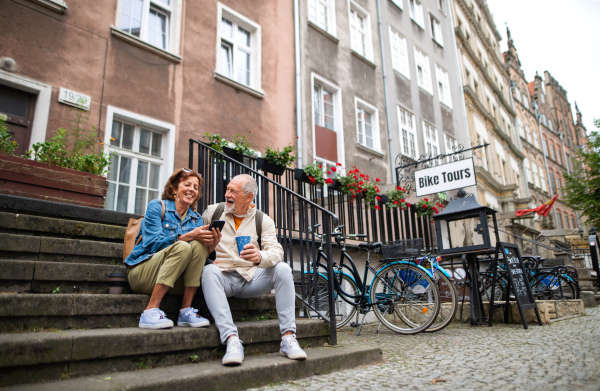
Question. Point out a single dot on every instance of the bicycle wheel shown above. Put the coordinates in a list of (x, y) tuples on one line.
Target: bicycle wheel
[(547, 286), (449, 302), (309, 291), (344, 311), (406, 299), (486, 289)]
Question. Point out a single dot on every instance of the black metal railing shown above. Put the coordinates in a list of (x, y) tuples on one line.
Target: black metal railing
[(293, 215)]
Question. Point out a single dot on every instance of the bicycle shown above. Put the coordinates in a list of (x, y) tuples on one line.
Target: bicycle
[(402, 295)]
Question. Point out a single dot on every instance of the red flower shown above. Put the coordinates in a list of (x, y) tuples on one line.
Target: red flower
[(333, 169), (329, 181), (408, 205), (378, 198), (425, 199), (377, 180), (424, 207), (338, 164), (312, 179), (398, 188), (328, 172), (377, 207), (320, 166), (362, 175), (436, 210), (402, 200), (396, 203)]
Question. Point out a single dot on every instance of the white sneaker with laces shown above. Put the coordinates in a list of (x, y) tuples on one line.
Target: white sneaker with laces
[(235, 352), (291, 349)]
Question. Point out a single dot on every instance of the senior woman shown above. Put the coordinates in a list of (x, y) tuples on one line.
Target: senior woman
[(172, 252)]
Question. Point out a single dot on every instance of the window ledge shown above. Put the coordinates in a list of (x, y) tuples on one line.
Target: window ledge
[(55, 5), (239, 86), (144, 45), (397, 72), (367, 149), (418, 24), (396, 5), (325, 33), (363, 59), (437, 43)]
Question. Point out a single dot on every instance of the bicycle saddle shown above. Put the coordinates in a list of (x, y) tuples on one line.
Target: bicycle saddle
[(370, 246)]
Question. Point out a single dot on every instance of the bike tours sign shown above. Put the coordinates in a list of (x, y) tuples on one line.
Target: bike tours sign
[(451, 176)]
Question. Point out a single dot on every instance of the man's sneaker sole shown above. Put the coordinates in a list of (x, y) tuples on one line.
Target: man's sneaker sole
[(295, 356), (156, 326), (194, 324), (232, 361)]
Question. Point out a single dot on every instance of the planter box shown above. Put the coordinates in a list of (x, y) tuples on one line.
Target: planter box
[(275, 169), (31, 179), (233, 154)]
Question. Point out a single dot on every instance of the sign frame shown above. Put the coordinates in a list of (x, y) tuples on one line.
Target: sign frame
[(457, 178), (74, 98)]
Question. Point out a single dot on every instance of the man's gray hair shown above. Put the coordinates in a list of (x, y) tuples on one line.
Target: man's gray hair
[(249, 185)]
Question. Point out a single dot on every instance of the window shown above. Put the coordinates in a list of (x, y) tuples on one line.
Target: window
[(430, 139), (436, 30), (525, 100), (399, 53), (328, 138), (517, 94), (408, 135), (141, 160), (322, 14), (443, 86), (152, 21), (367, 125), (423, 73), (416, 12), (550, 124), (451, 147), (239, 50), (527, 170), (535, 140), (542, 177), (552, 183), (398, 3), (528, 134), (360, 31), (536, 176)]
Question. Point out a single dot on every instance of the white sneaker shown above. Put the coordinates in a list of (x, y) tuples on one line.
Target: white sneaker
[(235, 352), (291, 349)]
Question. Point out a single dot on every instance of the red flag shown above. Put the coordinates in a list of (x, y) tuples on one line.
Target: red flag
[(542, 210)]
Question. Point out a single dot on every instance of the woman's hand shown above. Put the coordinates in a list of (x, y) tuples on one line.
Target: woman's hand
[(202, 235), (251, 254)]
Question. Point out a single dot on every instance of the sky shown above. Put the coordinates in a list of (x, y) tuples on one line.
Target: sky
[(561, 37)]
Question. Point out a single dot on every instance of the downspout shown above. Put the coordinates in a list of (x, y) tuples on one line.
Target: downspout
[(385, 94), (298, 82)]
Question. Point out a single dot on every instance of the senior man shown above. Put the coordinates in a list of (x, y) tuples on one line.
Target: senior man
[(251, 273)]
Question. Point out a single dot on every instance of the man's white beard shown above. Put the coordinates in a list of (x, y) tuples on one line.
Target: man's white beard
[(229, 209)]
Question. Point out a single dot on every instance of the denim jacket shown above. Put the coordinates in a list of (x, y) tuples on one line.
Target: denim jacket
[(157, 234)]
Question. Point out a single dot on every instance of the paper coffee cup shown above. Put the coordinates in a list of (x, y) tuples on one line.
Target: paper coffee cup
[(241, 242)]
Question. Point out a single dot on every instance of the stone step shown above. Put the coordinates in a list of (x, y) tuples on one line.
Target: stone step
[(31, 312), (45, 356), (254, 372)]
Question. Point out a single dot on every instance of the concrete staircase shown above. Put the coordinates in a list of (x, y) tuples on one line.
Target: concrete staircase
[(60, 329)]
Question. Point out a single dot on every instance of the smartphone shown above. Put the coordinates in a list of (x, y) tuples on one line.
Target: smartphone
[(217, 224)]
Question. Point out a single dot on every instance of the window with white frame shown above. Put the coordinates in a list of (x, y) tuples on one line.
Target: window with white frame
[(423, 73), (536, 176), (527, 170), (322, 14), (436, 30), (141, 161), (542, 177), (451, 146), (525, 100), (408, 134), (535, 140), (323, 107), (550, 124), (527, 134), (399, 53), (152, 21), (360, 31), (443, 86), (239, 48), (367, 125), (430, 139), (520, 127), (327, 122), (416, 12), (398, 3), (517, 94)]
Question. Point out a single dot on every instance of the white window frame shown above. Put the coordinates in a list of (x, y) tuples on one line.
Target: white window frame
[(518, 94), (525, 101), (173, 25), (443, 86), (329, 6), (536, 175), (536, 142), (356, 11), (423, 70), (362, 106), (542, 178), (450, 145), (338, 122), (255, 49), (527, 134), (436, 30), (168, 143), (399, 53), (520, 128), (416, 12), (527, 168), (411, 133), (397, 3), (431, 141)]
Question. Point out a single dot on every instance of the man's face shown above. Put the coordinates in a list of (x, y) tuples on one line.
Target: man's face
[(235, 200)]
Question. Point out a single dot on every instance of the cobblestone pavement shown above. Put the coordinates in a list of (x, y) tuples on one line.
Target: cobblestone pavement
[(560, 356)]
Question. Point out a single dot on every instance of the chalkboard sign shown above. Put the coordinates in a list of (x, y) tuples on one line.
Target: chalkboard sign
[(518, 282)]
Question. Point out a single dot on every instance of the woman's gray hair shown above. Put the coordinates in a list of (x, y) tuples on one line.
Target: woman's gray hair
[(249, 184)]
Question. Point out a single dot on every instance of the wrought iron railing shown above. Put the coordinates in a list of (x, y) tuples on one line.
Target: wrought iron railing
[(293, 215)]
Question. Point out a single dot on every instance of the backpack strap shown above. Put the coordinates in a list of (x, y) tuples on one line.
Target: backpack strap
[(162, 216), (218, 212), (257, 220)]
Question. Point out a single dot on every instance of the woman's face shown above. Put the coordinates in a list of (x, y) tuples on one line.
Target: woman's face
[(187, 191)]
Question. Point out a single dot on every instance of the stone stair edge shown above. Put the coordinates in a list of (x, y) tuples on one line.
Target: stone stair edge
[(254, 372), (22, 242)]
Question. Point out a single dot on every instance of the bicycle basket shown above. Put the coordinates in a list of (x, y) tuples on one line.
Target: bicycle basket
[(405, 248)]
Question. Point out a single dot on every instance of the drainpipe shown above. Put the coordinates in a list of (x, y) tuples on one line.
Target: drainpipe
[(385, 94), (298, 82)]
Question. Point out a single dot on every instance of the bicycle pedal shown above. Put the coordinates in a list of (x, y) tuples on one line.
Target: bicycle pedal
[(354, 324)]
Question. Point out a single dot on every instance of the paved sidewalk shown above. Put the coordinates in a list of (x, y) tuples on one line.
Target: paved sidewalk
[(561, 356)]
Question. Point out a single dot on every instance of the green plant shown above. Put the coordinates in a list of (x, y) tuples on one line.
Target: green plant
[(315, 173), (397, 198), (242, 145), (6, 144), (428, 208), (194, 358), (73, 148), (285, 157), (370, 191), (56, 290), (144, 363), (354, 183), (216, 142)]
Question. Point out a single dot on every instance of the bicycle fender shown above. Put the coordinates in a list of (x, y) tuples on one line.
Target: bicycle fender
[(445, 272), (409, 263)]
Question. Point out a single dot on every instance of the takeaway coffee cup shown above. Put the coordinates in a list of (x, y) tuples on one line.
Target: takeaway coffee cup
[(116, 282), (241, 242)]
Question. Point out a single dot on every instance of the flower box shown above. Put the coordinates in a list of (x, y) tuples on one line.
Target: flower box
[(27, 178), (275, 169), (232, 153)]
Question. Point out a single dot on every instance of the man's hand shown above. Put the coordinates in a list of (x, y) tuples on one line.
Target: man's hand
[(209, 238), (251, 253)]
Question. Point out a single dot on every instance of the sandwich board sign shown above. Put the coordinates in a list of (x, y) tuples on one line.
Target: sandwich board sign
[(445, 177)]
